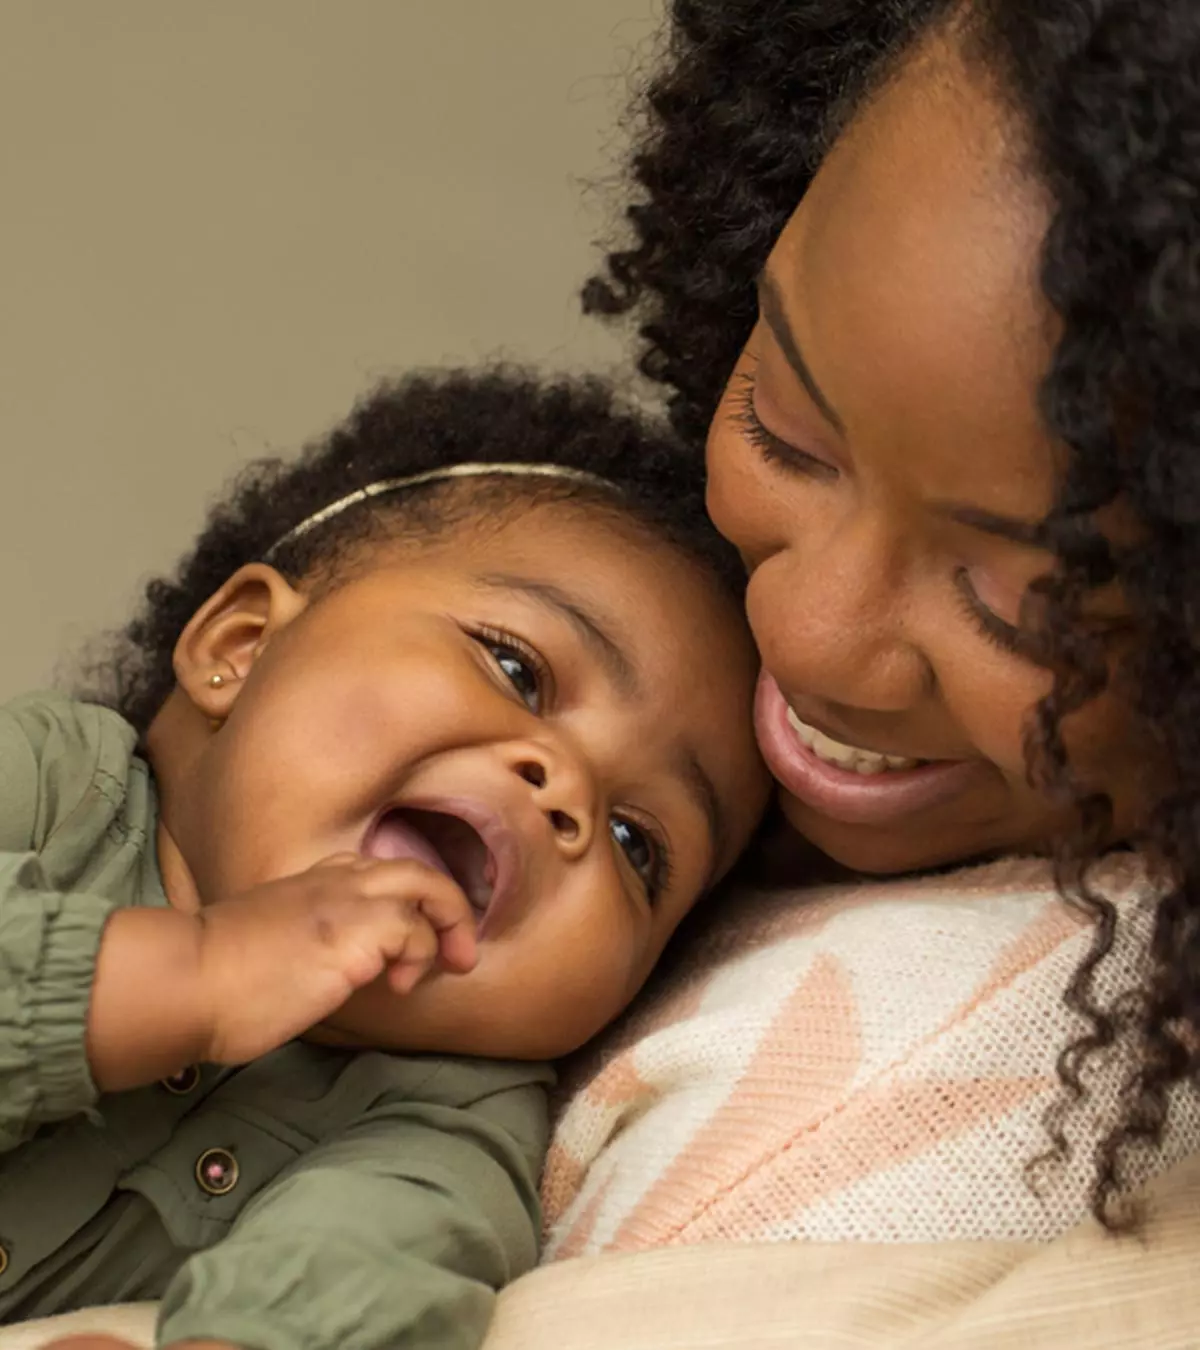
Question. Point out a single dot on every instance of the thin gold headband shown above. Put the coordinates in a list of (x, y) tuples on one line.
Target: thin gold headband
[(389, 485)]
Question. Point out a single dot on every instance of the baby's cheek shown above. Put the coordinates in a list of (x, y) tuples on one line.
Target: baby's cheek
[(603, 964)]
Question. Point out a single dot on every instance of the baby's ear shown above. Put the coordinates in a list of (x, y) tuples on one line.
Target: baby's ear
[(228, 633)]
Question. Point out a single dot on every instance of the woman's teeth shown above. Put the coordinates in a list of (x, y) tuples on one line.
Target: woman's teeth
[(851, 757)]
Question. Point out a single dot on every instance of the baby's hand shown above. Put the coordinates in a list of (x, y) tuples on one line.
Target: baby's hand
[(251, 972), (280, 958)]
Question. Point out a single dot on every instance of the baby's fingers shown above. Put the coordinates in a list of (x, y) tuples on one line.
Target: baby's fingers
[(459, 947), (403, 977), (454, 921), (441, 907)]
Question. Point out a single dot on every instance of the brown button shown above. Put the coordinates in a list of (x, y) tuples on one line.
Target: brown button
[(216, 1171), (3, 1258), (185, 1081)]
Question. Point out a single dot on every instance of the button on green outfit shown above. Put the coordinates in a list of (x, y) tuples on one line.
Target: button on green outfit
[(316, 1199)]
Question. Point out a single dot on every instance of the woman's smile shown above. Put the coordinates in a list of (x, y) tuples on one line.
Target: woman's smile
[(850, 783)]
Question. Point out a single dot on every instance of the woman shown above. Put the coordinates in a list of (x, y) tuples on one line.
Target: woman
[(944, 259)]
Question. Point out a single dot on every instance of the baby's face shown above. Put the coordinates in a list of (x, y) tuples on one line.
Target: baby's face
[(554, 710)]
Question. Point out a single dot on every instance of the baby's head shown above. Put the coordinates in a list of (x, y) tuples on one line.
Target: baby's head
[(540, 682)]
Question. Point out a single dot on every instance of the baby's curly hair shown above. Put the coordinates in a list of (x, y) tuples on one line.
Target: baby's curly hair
[(424, 421), (732, 129)]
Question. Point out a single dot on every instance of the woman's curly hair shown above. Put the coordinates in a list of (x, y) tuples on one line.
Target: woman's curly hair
[(732, 128), (427, 420)]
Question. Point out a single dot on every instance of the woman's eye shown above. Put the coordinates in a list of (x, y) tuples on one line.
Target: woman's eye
[(1008, 637), (519, 670), (772, 448), (642, 850)]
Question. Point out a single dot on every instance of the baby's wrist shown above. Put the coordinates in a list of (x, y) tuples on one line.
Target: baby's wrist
[(149, 1016)]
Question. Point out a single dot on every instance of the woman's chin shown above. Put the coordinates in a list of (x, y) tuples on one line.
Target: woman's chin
[(879, 850)]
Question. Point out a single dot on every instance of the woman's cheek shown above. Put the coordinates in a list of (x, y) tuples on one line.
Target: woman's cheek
[(759, 515), (993, 700), (1112, 754), (729, 492)]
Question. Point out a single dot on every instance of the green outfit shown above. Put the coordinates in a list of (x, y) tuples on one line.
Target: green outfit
[(315, 1199)]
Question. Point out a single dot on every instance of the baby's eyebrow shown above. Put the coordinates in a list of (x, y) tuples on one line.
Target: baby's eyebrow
[(699, 787), (614, 658)]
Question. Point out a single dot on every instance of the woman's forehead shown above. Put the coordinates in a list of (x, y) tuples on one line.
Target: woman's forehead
[(910, 277)]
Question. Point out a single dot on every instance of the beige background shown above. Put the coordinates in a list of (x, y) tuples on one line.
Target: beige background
[(219, 221)]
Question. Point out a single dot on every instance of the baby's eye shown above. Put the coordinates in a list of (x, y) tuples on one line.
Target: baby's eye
[(642, 850), (518, 668)]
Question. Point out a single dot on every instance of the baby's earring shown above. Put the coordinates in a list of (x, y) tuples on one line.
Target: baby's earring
[(216, 682)]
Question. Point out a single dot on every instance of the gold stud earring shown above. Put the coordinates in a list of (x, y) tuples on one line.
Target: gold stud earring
[(216, 681)]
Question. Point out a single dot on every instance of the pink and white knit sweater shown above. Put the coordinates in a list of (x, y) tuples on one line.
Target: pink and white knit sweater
[(868, 1062)]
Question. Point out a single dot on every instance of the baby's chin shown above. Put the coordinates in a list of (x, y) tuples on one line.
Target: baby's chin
[(374, 1019)]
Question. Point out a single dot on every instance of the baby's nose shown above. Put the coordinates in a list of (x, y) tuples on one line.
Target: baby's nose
[(562, 791)]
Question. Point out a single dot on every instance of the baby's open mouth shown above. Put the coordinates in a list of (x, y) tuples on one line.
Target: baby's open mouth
[(440, 840)]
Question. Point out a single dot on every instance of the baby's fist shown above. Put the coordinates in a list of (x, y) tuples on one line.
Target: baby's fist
[(285, 955)]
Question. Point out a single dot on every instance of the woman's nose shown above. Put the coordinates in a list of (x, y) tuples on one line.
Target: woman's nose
[(562, 792), (833, 622)]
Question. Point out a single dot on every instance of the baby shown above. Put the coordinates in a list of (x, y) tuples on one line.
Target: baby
[(410, 775)]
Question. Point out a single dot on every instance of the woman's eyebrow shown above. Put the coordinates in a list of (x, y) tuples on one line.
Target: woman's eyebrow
[(770, 306), (1029, 534), (611, 655)]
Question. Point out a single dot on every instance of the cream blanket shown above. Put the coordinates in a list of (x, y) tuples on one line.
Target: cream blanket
[(1086, 1291)]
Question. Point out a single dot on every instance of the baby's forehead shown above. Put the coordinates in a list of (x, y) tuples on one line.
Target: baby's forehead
[(601, 556)]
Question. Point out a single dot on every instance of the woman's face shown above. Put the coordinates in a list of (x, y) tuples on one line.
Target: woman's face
[(879, 460)]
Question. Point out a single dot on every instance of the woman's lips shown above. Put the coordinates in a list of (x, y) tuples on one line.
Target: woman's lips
[(842, 794)]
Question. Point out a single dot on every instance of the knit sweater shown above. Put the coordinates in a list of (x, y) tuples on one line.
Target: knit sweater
[(870, 1062)]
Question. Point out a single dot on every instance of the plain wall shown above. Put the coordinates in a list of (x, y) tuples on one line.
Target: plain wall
[(220, 221)]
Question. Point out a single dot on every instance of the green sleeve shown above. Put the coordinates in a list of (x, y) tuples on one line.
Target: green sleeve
[(395, 1234), (48, 941)]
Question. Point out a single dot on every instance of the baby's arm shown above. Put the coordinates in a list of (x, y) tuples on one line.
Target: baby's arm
[(96, 996), (90, 992), (48, 940), (395, 1234), (251, 972), (48, 946)]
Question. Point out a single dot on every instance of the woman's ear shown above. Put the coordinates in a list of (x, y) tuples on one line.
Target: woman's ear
[(228, 633)]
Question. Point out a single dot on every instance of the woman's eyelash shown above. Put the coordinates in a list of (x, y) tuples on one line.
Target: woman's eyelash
[(1001, 634), (774, 450), (1024, 643)]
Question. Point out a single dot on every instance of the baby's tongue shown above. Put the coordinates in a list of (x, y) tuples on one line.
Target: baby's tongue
[(394, 837)]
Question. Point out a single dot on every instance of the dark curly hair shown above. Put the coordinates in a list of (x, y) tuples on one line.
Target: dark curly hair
[(732, 129), (424, 421)]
